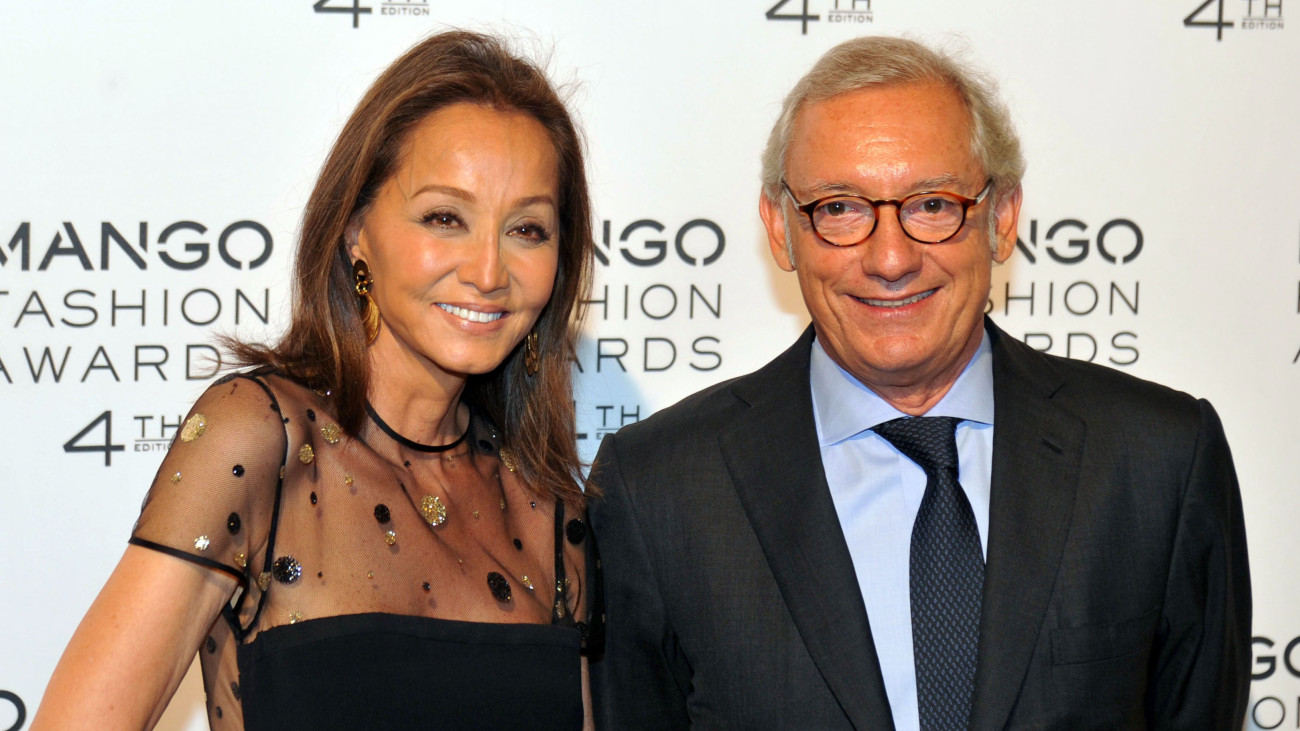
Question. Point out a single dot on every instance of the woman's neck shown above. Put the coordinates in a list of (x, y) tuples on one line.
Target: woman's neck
[(416, 398)]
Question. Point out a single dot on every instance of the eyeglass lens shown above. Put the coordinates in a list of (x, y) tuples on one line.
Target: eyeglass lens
[(928, 217)]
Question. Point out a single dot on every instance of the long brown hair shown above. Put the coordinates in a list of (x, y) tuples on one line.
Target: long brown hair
[(325, 344)]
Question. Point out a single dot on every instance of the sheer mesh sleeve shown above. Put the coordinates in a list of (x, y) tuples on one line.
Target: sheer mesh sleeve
[(213, 499)]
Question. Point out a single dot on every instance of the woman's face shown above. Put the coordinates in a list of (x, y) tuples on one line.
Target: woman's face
[(462, 241)]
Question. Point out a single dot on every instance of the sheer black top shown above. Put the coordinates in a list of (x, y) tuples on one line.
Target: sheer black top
[(382, 583)]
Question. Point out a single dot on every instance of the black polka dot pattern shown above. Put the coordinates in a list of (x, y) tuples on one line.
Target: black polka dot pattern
[(575, 531)]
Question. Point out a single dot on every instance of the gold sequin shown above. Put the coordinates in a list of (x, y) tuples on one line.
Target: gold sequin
[(524, 580), (201, 543), (508, 459), (240, 560), (295, 617), (347, 480), (370, 574), (264, 580), (332, 433), (433, 510), (176, 478), (390, 537), (281, 472), (475, 513), (305, 454), (503, 503), (194, 428)]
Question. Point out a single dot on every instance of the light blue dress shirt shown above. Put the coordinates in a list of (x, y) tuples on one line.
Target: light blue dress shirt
[(877, 492)]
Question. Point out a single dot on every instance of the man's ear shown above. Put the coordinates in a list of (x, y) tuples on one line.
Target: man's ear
[(774, 221), (1008, 217)]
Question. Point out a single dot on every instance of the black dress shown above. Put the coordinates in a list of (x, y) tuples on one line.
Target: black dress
[(382, 583)]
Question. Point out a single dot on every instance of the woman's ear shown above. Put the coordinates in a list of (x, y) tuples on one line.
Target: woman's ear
[(354, 235)]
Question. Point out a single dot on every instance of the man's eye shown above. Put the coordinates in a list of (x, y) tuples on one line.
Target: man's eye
[(840, 207), (936, 206)]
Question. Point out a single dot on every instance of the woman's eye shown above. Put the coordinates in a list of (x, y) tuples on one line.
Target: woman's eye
[(442, 219), (532, 233)]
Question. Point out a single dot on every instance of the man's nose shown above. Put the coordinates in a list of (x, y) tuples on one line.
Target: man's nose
[(889, 253)]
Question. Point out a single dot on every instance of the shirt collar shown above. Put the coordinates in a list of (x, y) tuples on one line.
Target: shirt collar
[(843, 407)]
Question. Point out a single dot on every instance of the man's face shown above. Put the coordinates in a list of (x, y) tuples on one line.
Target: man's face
[(902, 316)]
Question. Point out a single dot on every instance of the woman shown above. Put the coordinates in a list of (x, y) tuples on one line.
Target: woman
[(381, 525)]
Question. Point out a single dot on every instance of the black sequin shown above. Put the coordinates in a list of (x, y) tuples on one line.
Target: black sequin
[(286, 569), (234, 688), (427, 586), (407, 463), (218, 711), (499, 586), (519, 544), (575, 530), (532, 503), (237, 470), (313, 498), (311, 415), (233, 523), (382, 513), (320, 574), (211, 644)]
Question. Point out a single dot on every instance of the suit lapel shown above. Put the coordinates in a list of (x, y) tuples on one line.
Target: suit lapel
[(775, 462), (1037, 450)]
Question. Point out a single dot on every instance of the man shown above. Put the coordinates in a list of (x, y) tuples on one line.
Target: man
[(1052, 544)]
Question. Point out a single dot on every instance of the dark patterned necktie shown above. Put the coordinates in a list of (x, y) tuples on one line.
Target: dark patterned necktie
[(947, 574)]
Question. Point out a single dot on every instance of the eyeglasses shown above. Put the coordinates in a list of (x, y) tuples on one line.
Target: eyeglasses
[(930, 217)]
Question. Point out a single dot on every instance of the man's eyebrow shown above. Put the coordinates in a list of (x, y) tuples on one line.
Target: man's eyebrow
[(938, 182), (822, 188)]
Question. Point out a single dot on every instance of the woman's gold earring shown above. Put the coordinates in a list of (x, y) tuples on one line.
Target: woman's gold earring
[(532, 360), (370, 312)]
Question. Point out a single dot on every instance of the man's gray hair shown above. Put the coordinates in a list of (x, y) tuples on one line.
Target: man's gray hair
[(883, 61)]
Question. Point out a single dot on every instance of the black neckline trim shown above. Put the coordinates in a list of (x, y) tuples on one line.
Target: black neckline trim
[(409, 443)]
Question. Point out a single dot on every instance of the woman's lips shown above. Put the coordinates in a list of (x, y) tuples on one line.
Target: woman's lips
[(471, 315)]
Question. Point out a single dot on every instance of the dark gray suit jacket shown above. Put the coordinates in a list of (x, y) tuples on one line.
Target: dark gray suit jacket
[(1117, 594)]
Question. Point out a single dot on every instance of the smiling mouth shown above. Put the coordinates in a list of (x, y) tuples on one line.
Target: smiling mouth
[(898, 303), (471, 315)]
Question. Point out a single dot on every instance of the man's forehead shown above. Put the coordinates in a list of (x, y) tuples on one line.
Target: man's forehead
[(912, 103), (917, 134)]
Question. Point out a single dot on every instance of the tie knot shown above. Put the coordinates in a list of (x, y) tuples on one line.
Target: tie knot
[(929, 441)]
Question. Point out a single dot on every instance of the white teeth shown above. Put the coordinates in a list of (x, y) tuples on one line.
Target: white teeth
[(899, 303), (471, 315)]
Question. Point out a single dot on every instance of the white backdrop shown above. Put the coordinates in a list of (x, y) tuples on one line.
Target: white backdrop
[(151, 153)]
